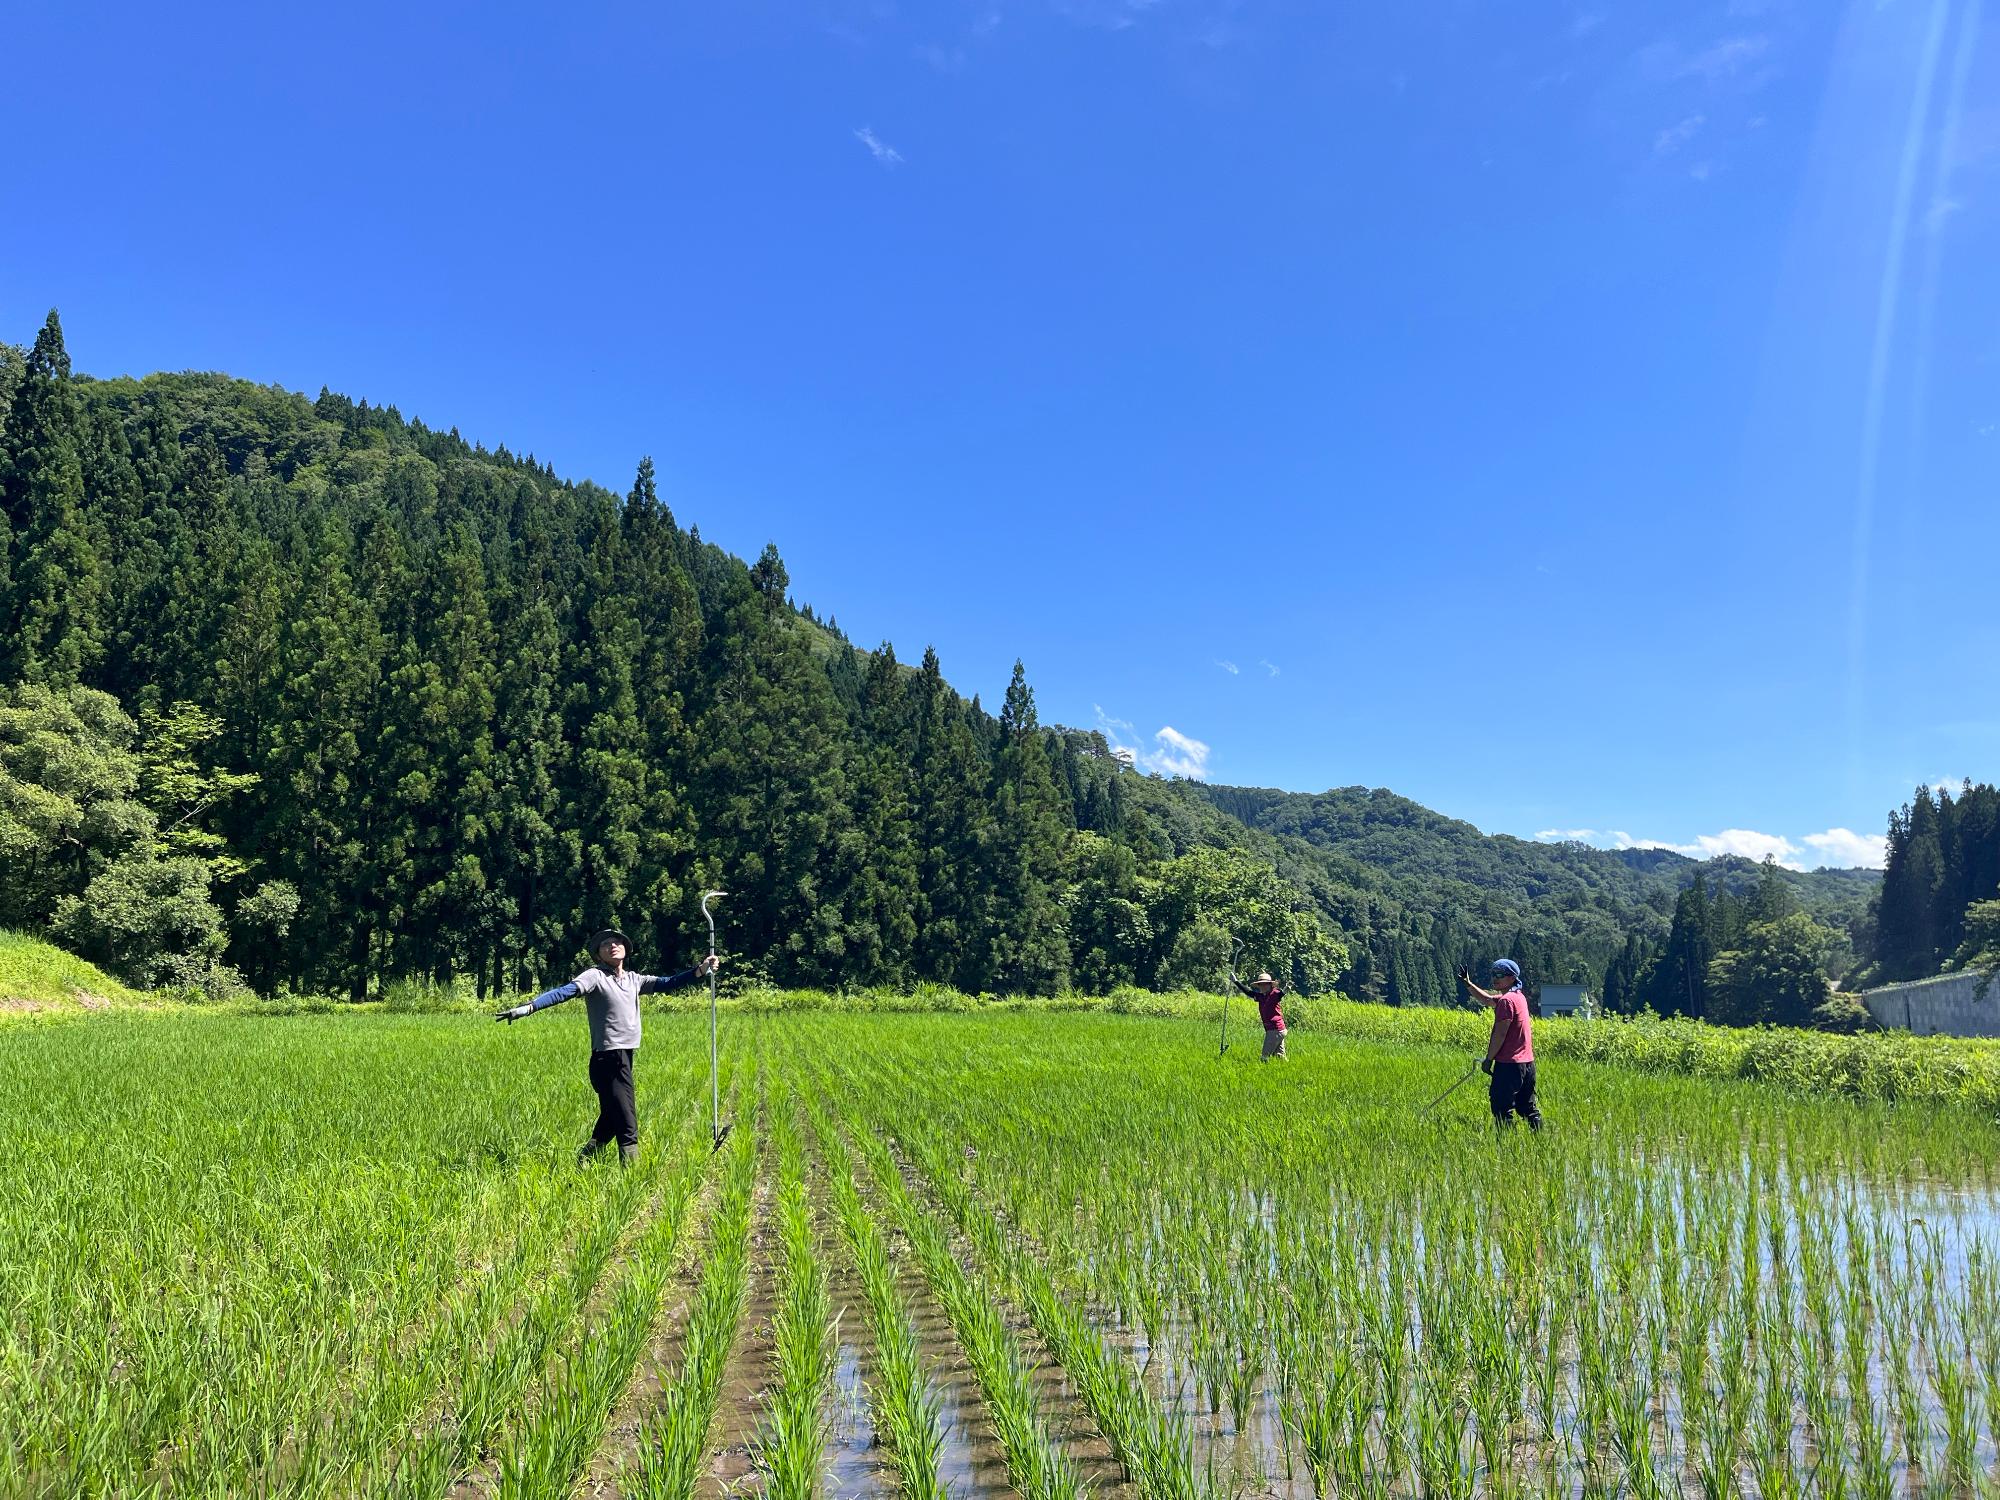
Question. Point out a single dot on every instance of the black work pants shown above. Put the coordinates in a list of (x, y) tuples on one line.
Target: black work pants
[(617, 1114), (1512, 1092)]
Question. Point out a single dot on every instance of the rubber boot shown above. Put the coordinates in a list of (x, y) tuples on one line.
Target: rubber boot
[(627, 1155), (589, 1149)]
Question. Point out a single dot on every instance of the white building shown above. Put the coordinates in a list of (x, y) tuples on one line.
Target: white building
[(1567, 1000)]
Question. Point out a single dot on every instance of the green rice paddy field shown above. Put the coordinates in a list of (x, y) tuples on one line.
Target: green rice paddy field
[(967, 1255)]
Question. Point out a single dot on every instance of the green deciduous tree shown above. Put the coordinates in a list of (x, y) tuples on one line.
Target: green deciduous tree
[(1777, 976), (70, 799)]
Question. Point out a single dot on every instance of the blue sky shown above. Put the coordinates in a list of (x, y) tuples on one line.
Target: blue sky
[(1577, 418)]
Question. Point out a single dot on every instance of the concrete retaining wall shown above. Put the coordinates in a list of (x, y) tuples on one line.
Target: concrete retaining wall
[(1950, 1005)]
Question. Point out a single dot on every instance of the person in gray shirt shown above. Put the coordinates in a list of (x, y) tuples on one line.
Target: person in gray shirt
[(611, 994)]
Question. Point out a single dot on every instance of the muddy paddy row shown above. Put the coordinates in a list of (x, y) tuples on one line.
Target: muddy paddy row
[(970, 1256)]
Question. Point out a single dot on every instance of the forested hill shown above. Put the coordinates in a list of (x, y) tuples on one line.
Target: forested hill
[(310, 693), (1440, 888), (307, 692), (1440, 858)]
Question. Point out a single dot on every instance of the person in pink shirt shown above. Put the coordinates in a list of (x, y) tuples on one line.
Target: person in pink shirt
[(1270, 1009), (1510, 1050)]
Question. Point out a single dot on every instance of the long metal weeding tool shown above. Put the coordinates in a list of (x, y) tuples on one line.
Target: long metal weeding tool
[(1235, 947), (717, 1130), (1448, 1092)]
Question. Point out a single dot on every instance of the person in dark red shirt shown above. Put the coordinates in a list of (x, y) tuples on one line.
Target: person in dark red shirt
[(1510, 1050), (1264, 990)]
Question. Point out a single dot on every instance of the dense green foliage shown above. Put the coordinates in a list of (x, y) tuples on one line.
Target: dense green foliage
[(305, 692), (1739, 961), (1944, 862)]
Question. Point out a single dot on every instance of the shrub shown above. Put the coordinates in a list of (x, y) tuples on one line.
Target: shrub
[(1843, 1013), (427, 996), (148, 920)]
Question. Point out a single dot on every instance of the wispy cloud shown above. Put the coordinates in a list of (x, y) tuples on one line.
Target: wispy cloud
[(1228, 666), (1940, 212), (880, 149), (1583, 23), (944, 59), (1270, 667), (1731, 64), (1670, 140), (1111, 15), (1836, 847), (1725, 59)]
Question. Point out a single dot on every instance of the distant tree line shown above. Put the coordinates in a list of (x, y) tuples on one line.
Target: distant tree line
[(1742, 962), (314, 695), (1735, 960)]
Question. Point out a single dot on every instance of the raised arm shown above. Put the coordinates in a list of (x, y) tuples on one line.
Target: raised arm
[(656, 984)]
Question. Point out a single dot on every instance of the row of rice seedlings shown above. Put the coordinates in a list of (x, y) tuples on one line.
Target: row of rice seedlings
[(1039, 1469), (489, 1381), (791, 1445), (676, 1433), (551, 1448), (1151, 1445), (1677, 1376), (906, 1411), (345, 1454)]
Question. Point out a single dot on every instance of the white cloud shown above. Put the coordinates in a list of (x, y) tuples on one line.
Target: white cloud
[(1178, 755), (1700, 170), (1670, 140), (1585, 22), (880, 149), (1836, 848), (1842, 848), (1725, 58), (1228, 666), (1745, 842), (1172, 754), (1267, 666)]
